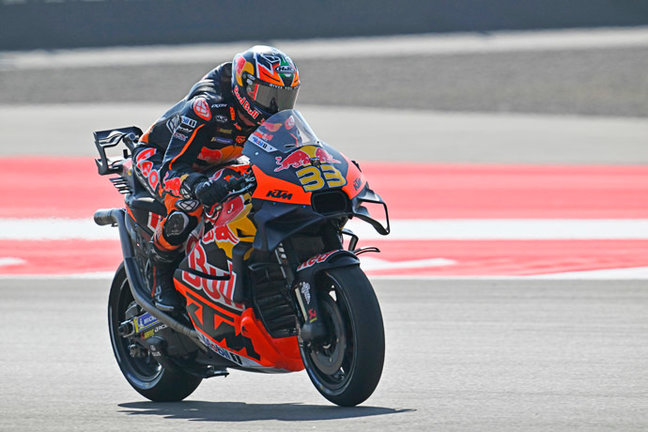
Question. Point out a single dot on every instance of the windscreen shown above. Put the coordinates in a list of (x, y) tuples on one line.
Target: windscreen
[(284, 132)]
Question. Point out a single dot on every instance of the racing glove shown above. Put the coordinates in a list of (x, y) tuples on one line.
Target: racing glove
[(210, 192)]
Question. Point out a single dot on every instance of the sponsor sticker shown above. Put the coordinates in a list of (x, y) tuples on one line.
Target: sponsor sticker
[(173, 123), (144, 322), (221, 140), (264, 145), (181, 137), (220, 351), (281, 194), (245, 104), (189, 122), (305, 290), (316, 259)]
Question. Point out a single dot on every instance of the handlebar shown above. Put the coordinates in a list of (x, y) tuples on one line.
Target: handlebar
[(237, 186)]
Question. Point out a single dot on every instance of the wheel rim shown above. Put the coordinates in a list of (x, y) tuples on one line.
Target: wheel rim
[(331, 363), (145, 370), (329, 356)]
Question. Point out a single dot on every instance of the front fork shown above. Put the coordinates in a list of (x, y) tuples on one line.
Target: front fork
[(312, 326)]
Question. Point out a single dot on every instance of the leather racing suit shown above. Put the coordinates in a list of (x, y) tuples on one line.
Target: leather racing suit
[(200, 132)]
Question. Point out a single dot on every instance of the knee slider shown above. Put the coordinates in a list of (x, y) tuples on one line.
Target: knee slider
[(177, 227)]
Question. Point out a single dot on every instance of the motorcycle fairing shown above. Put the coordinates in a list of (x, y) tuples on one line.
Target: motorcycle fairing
[(239, 336), (210, 278), (302, 181), (293, 163)]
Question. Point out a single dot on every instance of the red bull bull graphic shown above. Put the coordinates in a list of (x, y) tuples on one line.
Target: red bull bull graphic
[(304, 156), (296, 159), (324, 156)]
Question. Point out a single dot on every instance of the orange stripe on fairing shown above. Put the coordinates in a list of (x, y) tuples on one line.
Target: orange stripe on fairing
[(267, 184), (353, 173), (193, 135), (231, 316), (130, 213)]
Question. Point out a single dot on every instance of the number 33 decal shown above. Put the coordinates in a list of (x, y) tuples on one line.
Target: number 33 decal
[(312, 179)]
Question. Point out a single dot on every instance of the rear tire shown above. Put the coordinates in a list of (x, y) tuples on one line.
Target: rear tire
[(144, 374), (346, 366)]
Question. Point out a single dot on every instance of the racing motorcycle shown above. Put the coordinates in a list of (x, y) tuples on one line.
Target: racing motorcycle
[(271, 276)]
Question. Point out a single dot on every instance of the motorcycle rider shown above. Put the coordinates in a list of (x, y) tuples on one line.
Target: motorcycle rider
[(206, 129)]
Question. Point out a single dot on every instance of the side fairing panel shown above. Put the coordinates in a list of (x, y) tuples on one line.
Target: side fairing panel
[(207, 278)]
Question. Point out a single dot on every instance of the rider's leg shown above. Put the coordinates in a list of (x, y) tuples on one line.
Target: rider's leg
[(166, 249)]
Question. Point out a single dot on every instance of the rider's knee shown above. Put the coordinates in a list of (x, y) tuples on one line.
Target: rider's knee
[(177, 227)]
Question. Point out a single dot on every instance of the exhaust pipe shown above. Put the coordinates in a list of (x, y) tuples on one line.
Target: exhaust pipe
[(115, 217)]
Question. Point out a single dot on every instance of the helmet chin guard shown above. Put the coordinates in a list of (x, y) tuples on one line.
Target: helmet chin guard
[(264, 82)]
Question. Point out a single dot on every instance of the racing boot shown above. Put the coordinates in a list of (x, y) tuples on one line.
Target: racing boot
[(164, 263)]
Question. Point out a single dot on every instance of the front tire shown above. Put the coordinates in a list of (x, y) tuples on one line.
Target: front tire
[(144, 374), (346, 366)]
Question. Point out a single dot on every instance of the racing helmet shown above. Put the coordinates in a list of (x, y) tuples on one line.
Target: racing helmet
[(264, 82)]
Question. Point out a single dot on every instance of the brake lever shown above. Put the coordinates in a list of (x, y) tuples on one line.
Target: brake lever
[(249, 182)]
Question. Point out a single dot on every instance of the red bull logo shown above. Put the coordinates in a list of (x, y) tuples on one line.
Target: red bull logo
[(220, 291), (324, 156), (296, 159), (303, 157)]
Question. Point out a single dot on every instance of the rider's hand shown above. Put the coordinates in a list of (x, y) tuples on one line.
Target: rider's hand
[(210, 192)]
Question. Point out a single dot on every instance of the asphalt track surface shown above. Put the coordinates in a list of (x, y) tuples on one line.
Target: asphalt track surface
[(461, 355)]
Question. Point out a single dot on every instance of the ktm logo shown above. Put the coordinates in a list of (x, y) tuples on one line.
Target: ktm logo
[(279, 194)]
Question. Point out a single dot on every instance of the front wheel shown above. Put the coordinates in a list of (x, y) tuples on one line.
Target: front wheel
[(142, 371), (345, 367)]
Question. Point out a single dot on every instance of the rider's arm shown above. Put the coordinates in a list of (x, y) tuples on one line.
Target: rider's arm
[(190, 135)]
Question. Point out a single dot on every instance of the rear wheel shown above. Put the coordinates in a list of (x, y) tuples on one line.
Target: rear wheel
[(346, 366), (141, 370)]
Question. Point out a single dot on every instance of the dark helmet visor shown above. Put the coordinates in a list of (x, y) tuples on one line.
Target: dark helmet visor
[(273, 98)]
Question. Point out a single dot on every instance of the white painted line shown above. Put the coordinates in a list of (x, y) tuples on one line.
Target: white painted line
[(634, 273), (370, 263), (625, 273), (55, 229), (637, 273), (91, 275), (508, 229), (10, 261), (383, 46), (441, 229)]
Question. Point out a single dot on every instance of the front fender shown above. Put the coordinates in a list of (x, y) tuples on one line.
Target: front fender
[(333, 259), (305, 291)]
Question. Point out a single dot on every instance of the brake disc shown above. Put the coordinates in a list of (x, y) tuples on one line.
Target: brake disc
[(329, 355)]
